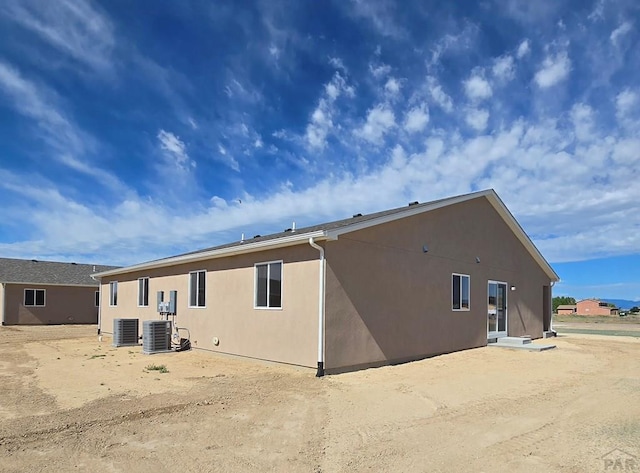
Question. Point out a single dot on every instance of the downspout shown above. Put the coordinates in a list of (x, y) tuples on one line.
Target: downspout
[(99, 304), (4, 302), (553, 283), (321, 289)]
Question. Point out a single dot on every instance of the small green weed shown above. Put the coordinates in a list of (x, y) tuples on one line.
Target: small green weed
[(158, 368)]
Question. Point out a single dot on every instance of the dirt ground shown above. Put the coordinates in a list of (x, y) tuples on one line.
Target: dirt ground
[(71, 403)]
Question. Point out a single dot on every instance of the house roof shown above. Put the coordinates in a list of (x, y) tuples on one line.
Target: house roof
[(566, 306), (332, 230), (49, 272)]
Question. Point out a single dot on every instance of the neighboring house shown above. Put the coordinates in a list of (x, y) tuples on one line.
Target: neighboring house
[(595, 307), (36, 292), (370, 290), (566, 309)]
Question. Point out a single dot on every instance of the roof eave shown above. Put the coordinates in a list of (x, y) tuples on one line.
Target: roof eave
[(292, 240)]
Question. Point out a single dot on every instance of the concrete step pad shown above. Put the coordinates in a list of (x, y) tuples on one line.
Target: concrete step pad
[(526, 346), (515, 340)]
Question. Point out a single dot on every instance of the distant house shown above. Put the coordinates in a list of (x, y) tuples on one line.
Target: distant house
[(595, 307), (36, 292), (566, 309), (369, 290)]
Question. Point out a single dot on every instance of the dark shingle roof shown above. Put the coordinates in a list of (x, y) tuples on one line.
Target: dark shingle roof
[(49, 272)]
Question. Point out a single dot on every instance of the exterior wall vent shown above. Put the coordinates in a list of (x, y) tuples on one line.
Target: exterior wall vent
[(125, 332), (156, 336)]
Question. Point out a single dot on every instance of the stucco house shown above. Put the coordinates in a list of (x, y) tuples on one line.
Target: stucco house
[(595, 307), (36, 292), (369, 290), (566, 309)]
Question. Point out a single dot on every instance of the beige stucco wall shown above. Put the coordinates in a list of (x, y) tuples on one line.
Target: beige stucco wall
[(286, 335), (63, 305), (388, 301)]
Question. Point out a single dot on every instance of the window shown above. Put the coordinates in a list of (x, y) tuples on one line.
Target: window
[(143, 292), (34, 297), (113, 293), (268, 289), (197, 286), (460, 291), (97, 299)]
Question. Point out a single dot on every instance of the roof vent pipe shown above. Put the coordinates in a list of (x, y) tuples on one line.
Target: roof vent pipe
[(293, 227), (242, 238)]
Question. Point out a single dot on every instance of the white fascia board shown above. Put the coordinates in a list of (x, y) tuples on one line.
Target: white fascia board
[(294, 239)]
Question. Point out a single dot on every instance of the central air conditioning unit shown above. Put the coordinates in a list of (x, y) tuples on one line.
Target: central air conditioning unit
[(125, 332), (156, 336)]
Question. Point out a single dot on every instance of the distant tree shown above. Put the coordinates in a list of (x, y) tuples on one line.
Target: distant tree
[(610, 304), (562, 300), (634, 310)]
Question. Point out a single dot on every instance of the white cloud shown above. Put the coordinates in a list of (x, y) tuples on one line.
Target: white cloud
[(523, 49), (337, 63), (319, 126), (379, 70), (598, 11), (438, 95), (73, 27), (477, 88), (452, 43), (380, 120), (380, 14), (416, 119), (626, 102), (321, 120), (582, 117), (477, 118), (67, 143), (553, 70), (504, 68), (522, 160), (174, 151), (620, 31), (392, 87), (192, 123)]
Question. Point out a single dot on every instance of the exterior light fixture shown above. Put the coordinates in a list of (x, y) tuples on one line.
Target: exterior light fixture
[(477, 259), (425, 249), (513, 288)]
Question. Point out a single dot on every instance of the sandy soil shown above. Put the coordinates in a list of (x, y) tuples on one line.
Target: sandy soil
[(71, 403)]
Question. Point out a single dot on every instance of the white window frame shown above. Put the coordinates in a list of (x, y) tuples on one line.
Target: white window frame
[(461, 309), (255, 284), (113, 293), (96, 299), (141, 280), (205, 290), (35, 299)]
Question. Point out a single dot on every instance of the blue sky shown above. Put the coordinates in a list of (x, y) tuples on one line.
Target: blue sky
[(136, 130)]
